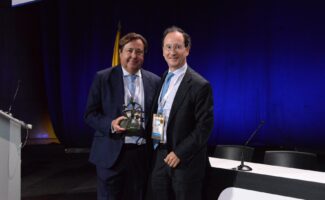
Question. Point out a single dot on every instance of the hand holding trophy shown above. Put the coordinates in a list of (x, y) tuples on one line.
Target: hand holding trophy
[(134, 119)]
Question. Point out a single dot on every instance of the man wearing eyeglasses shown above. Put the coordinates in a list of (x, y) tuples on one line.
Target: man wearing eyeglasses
[(181, 125), (121, 160)]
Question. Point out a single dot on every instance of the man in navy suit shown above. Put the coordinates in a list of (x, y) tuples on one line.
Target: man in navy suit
[(121, 159), (183, 123)]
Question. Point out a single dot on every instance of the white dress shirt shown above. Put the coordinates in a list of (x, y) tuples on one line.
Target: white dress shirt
[(139, 98), (167, 101)]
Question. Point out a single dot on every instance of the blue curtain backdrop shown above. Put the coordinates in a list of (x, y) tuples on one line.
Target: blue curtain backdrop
[(264, 59)]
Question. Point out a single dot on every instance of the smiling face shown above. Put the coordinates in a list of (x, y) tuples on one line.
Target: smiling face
[(174, 50), (132, 56)]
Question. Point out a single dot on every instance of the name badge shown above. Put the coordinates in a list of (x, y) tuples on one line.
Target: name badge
[(158, 127)]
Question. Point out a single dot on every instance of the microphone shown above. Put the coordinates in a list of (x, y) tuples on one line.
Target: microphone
[(14, 98), (242, 166)]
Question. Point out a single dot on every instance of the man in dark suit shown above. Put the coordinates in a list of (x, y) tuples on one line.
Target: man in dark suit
[(121, 159), (182, 124)]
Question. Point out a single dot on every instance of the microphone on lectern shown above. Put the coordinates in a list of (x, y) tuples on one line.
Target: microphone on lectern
[(14, 98), (242, 166)]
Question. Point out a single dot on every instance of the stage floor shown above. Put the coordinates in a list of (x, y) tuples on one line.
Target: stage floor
[(48, 173)]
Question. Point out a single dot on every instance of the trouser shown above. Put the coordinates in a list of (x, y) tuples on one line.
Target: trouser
[(126, 180), (166, 187)]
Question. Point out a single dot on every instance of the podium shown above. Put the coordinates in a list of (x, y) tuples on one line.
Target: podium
[(10, 156)]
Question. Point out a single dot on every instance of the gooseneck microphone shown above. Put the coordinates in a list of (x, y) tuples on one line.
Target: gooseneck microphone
[(260, 125), (242, 166), (14, 98)]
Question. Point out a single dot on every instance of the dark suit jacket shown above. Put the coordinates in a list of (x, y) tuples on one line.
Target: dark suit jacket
[(190, 124), (104, 104)]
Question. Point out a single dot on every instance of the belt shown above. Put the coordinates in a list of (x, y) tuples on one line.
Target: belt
[(132, 146), (163, 146)]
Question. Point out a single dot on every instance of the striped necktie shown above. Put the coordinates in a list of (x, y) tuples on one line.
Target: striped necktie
[(131, 84)]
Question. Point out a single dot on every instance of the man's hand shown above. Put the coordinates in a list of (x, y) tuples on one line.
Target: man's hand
[(116, 124), (172, 160)]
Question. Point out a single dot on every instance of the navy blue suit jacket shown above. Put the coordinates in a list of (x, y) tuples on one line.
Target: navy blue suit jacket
[(104, 104), (189, 125)]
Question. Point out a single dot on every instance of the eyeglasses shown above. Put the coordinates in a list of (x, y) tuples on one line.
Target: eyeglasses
[(138, 52), (171, 47)]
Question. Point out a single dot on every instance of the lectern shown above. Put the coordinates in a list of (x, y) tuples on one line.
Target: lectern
[(10, 156)]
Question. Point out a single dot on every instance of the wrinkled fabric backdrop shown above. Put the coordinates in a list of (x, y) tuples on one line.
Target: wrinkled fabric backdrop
[(265, 61)]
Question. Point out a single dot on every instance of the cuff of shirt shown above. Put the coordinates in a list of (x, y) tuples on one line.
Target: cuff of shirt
[(112, 129)]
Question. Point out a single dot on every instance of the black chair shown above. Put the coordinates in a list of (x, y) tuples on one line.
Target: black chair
[(234, 152), (294, 159)]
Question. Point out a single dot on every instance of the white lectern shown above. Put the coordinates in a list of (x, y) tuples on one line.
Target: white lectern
[(10, 157)]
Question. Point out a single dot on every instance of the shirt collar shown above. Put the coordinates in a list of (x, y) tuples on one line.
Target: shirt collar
[(180, 70), (126, 73)]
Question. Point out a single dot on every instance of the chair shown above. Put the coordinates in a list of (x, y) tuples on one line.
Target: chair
[(234, 152), (294, 159)]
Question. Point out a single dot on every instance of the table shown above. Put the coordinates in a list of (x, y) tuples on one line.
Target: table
[(263, 182)]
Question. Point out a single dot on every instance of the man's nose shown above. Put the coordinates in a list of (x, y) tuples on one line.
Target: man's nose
[(133, 54)]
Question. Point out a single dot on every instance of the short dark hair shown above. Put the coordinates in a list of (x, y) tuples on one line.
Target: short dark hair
[(187, 38), (130, 37)]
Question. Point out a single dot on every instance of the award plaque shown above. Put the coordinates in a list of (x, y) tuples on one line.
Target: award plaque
[(134, 119)]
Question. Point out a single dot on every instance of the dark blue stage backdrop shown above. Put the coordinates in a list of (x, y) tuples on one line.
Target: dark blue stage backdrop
[(265, 61)]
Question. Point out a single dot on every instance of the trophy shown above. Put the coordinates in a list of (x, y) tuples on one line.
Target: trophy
[(134, 119)]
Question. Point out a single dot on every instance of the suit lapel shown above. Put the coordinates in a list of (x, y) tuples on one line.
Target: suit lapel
[(117, 87), (148, 90), (155, 102), (181, 94)]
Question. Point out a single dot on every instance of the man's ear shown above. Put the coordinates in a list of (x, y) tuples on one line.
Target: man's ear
[(187, 49)]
